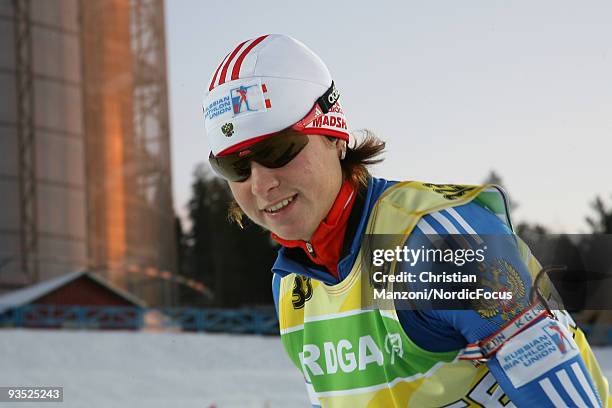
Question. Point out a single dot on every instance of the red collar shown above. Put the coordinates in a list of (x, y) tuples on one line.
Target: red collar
[(326, 244)]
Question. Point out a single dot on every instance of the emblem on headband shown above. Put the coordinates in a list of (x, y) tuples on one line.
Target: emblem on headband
[(333, 96), (228, 129), (249, 98)]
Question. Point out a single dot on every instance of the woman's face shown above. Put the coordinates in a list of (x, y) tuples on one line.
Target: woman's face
[(292, 200)]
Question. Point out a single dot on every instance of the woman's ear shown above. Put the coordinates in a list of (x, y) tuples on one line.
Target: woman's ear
[(341, 148)]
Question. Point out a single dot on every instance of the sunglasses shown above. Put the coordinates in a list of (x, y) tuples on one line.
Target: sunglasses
[(273, 152)]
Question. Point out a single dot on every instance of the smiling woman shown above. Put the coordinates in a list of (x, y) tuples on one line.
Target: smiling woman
[(279, 137), (354, 164), (292, 200)]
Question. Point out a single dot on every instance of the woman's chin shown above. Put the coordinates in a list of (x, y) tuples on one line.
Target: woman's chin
[(287, 236), (290, 234)]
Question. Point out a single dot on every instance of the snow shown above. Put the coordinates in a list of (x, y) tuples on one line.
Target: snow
[(145, 369), (159, 369)]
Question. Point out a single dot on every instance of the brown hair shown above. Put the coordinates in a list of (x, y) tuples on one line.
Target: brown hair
[(354, 166)]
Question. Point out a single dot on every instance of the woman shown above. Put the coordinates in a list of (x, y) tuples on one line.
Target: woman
[(279, 136)]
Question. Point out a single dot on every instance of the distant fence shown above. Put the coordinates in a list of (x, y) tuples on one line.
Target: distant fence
[(248, 321), (253, 320)]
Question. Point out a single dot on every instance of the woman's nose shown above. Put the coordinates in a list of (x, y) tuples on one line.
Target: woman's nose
[(263, 179)]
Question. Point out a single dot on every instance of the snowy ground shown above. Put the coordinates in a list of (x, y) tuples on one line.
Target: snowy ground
[(125, 369)]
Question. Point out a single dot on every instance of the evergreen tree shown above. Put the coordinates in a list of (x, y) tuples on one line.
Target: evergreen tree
[(598, 256), (235, 263), (602, 222)]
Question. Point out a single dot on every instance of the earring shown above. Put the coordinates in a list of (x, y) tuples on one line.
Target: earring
[(343, 154)]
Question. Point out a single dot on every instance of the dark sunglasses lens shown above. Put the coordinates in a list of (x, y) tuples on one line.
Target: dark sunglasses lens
[(279, 153), (273, 153), (231, 167)]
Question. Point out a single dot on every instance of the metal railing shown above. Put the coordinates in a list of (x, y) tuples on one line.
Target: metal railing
[(253, 320), (247, 321)]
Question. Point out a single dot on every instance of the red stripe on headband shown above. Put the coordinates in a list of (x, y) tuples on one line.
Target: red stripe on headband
[(244, 144), (325, 132), (248, 49), (229, 60), (212, 83)]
